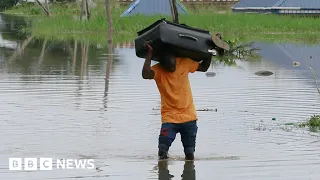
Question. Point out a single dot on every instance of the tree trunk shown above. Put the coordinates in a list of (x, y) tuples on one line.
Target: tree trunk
[(174, 11), (47, 6), (88, 10), (43, 8), (82, 9), (110, 25)]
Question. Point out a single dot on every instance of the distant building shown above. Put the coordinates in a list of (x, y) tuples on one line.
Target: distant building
[(305, 7), (153, 7)]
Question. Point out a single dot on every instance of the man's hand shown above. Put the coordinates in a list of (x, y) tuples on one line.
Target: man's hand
[(150, 49), (147, 72)]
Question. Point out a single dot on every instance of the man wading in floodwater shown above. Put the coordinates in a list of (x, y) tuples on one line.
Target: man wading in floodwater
[(177, 108)]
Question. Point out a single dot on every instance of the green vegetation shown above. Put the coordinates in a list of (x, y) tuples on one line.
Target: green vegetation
[(65, 24), (313, 123)]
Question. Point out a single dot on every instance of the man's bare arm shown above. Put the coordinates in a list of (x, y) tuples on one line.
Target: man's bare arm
[(147, 72)]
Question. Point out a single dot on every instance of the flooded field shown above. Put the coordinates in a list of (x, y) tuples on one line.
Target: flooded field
[(55, 105)]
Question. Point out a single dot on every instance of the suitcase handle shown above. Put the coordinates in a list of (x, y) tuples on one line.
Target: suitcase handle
[(188, 37)]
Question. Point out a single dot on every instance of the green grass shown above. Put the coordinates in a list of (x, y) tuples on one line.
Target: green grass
[(65, 25)]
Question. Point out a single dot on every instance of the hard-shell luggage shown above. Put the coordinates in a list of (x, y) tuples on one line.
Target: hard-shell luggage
[(180, 40)]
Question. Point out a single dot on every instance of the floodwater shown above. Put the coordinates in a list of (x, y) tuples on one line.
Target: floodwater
[(55, 105)]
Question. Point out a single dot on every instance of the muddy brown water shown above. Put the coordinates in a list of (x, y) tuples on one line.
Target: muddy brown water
[(53, 107)]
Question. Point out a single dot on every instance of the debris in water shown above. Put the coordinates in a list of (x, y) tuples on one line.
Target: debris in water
[(210, 74), (260, 128), (264, 73), (289, 124), (98, 169), (296, 64), (206, 109)]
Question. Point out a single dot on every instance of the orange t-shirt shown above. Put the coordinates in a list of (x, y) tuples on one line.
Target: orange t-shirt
[(176, 96)]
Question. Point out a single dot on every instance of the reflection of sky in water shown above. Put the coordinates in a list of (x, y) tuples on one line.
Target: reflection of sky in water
[(285, 54), (7, 44), (3, 42)]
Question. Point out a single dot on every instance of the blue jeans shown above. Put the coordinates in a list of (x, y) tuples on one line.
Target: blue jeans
[(188, 132)]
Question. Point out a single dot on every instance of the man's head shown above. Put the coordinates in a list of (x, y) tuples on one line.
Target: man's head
[(168, 62)]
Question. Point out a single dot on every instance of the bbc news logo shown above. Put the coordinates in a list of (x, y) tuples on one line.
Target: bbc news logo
[(31, 164)]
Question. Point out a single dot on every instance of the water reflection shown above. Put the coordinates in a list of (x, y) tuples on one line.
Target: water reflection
[(75, 48), (189, 172), (36, 56), (108, 72), (298, 57), (42, 51), (20, 49), (84, 60), (9, 23)]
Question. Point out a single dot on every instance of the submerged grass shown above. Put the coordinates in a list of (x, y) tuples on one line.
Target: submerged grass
[(313, 123), (65, 24)]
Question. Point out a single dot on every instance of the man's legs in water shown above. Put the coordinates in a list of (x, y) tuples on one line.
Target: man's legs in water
[(188, 133), (167, 136)]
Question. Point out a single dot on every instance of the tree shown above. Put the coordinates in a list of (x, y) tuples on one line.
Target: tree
[(45, 9), (174, 11), (109, 19)]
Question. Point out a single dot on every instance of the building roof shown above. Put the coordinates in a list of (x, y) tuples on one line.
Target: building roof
[(153, 7), (255, 3), (301, 3), (312, 4)]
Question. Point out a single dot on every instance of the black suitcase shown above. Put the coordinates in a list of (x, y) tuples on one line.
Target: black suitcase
[(180, 40)]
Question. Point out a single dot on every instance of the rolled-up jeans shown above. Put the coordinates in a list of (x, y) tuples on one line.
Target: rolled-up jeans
[(188, 132)]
